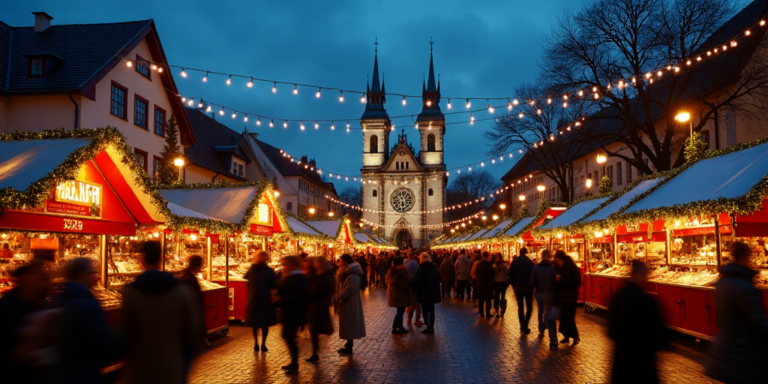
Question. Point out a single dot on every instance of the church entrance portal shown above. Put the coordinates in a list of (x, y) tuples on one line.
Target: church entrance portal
[(404, 239)]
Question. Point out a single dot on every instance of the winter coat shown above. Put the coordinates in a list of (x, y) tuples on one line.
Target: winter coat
[(13, 313), (635, 325), (448, 271), (399, 292), (426, 284), (739, 352), (384, 264), (260, 311), (84, 341), (351, 319), (567, 289), (520, 273), (463, 267), (501, 272), (190, 280), (159, 325), (484, 280), (543, 277), (293, 291), (320, 297), (412, 266)]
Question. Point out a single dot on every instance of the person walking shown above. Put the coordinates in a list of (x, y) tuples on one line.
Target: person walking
[(383, 267), (476, 258), (351, 317), (412, 266), (635, 326), (543, 284), (399, 294), (500, 282), (463, 267), (448, 275), (321, 287), (159, 324), (426, 285), (188, 277), (364, 266), (739, 349), (260, 311), (483, 276), (520, 279), (567, 283), (293, 298), (84, 342)]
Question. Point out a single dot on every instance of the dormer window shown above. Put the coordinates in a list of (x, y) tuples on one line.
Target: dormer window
[(238, 167), (142, 67), (36, 67)]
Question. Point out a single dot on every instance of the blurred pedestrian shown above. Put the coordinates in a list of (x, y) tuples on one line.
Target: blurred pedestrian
[(158, 322), (351, 318), (543, 284), (84, 342), (373, 265), (520, 279), (383, 267), (484, 276), (635, 325), (567, 283), (463, 267), (739, 352), (321, 288), (260, 311), (476, 258), (188, 277), (293, 298), (364, 266), (33, 284), (500, 283), (426, 285), (448, 276), (399, 294), (412, 266)]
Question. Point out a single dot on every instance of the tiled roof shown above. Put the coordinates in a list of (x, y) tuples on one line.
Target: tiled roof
[(211, 136), (84, 49), (286, 166)]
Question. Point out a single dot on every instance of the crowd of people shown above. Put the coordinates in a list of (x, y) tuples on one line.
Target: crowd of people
[(57, 333)]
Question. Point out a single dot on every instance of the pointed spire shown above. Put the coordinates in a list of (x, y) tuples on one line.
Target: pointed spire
[(423, 83), (383, 89), (376, 85), (431, 83)]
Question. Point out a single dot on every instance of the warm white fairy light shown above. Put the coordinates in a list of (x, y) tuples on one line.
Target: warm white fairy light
[(362, 99), (274, 87), (183, 73), (404, 102), (285, 124), (449, 103), (341, 96), (234, 114), (302, 125), (271, 123), (469, 104), (250, 83), (317, 125), (205, 78), (245, 118), (317, 95), (229, 80)]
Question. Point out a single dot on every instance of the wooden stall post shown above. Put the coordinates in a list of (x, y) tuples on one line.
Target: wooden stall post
[(226, 261), (162, 251), (209, 271), (669, 243), (615, 248), (104, 245), (717, 243)]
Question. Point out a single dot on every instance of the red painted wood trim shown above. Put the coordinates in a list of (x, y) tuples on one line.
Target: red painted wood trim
[(30, 221), (123, 189)]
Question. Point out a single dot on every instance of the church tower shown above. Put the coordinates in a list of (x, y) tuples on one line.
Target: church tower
[(375, 121), (431, 120)]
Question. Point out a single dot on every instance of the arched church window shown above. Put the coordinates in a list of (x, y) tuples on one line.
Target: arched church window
[(430, 192), (406, 165), (375, 193), (374, 144), (397, 165), (431, 142)]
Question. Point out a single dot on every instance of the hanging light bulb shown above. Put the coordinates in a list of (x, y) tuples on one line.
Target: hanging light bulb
[(341, 96), (449, 103), (183, 99), (190, 102), (245, 119), (520, 115), (183, 73), (597, 96), (549, 100), (347, 125), (154, 67), (565, 105), (317, 125), (129, 63), (250, 83), (490, 107), (271, 123), (509, 105), (362, 98), (333, 126), (581, 93), (200, 104), (258, 120), (302, 125), (285, 124), (538, 111), (234, 114), (221, 112), (229, 80), (274, 87), (404, 102), (208, 109), (317, 95), (416, 125), (469, 105), (471, 119), (429, 103), (205, 78)]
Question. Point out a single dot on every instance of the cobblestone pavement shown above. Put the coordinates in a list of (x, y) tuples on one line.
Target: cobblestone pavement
[(464, 349)]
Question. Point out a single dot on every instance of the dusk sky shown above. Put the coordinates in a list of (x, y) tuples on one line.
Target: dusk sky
[(482, 49)]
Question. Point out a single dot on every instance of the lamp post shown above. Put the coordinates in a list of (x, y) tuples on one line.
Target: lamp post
[(311, 210), (503, 207), (179, 162), (522, 199), (541, 188), (495, 217), (601, 159), (684, 117)]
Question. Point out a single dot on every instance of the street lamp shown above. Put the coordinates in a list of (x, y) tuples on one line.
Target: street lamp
[(601, 159), (521, 197), (503, 207), (485, 218), (330, 214), (277, 193), (179, 162), (311, 211), (495, 217), (684, 117), (540, 188), (589, 183)]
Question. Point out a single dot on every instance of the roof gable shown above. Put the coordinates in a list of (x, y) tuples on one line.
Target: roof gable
[(401, 153), (214, 141)]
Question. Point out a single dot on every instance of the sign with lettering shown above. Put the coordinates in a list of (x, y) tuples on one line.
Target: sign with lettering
[(76, 198), (261, 230), (264, 215)]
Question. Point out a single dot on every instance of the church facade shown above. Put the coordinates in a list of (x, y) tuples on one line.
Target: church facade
[(404, 186)]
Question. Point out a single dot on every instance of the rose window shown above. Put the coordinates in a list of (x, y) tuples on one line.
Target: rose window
[(402, 200)]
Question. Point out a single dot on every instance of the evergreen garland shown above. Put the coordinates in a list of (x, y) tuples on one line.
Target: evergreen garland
[(167, 172)]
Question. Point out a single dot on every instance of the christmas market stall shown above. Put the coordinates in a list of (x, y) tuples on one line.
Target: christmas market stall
[(226, 224), (338, 229), (488, 237), (520, 233), (302, 237), (371, 243), (67, 194)]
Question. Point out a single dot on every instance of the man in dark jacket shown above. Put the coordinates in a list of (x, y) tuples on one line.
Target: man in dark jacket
[(635, 325), (426, 285), (188, 277), (483, 275), (739, 353), (293, 298), (84, 342), (543, 285), (260, 312), (520, 280)]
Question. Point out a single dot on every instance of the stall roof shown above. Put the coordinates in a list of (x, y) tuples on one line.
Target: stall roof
[(300, 227), (496, 229), (23, 162), (477, 234), (728, 176), (623, 200), (329, 228), (361, 237), (227, 203), (574, 213), (181, 211), (519, 226)]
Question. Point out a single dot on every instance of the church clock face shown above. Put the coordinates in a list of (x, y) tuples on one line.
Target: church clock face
[(402, 200)]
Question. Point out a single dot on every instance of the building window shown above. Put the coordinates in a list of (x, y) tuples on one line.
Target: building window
[(159, 121), (142, 67), (141, 158), (375, 193), (241, 170), (431, 142), (618, 173), (36, 67), (406, 165), (140, 108), (597, 177), (290, 206), (629, 173), (609, 173), (374, 144), (118, 100), (430, 193), (238, 169), (397, 166), (705, 137), (156, 166)]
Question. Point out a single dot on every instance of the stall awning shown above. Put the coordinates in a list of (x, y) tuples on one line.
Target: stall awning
[(477, 234), (336, 229), (515, 229), (496, 229), (573, 214), (622, 200), (297, 226), (226, 204)]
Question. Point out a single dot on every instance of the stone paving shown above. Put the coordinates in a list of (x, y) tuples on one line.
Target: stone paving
[(464, 349)]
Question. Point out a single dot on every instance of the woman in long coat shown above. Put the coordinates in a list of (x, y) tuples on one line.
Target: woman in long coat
[(426, 285), (260, 312), (321, 286), (399, 293), (447, 275), (567, 283), (351, 319)]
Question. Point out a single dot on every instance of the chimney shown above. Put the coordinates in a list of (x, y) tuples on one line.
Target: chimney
[(303, 159), (312, 163), (42, 21)]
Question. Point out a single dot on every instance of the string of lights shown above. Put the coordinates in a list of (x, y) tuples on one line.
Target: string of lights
[(462, 221), (456, 206)]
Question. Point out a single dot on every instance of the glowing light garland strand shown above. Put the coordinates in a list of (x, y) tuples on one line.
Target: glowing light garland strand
[(438, 225)]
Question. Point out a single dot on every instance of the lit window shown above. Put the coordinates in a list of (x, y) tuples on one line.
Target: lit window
[(141, 158), (140, 107), (159, 121), (142, 67), (118, 100), (36, 67)]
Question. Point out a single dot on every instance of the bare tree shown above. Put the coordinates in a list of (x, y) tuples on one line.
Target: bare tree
[(640, 62), (353, 196), (468, 187)]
